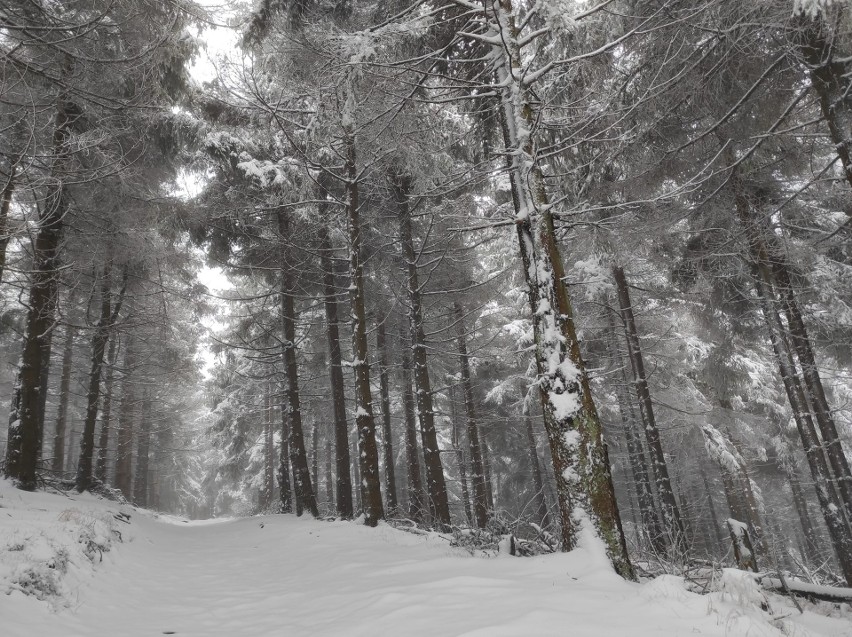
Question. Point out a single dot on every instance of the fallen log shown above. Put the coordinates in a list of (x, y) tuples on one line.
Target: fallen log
[(804, 589)]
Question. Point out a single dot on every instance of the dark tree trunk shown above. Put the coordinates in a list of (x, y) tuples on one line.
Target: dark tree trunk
[(58, 461), (480, 499), (671, 518), (26, 416), (831, 505), (99, 343), (305, 497), (5, 204), (539, 501), (103, 440), (436, 487), (416, 497), (368, 455), (648, 509), (715, 520), (124, 451), (387, 433), (140, 481), (829, 71), (335, 370), (811, 545), (315, 458), (329, 476), (284, 460), (462, 464)]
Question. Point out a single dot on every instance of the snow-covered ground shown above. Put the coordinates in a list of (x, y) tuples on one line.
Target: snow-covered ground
[(282, 576)]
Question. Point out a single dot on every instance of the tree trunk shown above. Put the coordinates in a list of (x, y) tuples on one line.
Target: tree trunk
[(539, 502), (581, 467), (831, 506), (715, 520), (812, 551), (329, 476), (305, 497), (5, 204), (648, 510), (99, 342), (284, 461), (671, 518), (480, 500), (140, 481), (58, 461), (124, 451), (315, 457), (460, 459), (801, 343), (436, 487), (830, 79), (26, 416), (368, 455), (387, 434), (103, 441), (416, 496), (335, 370)]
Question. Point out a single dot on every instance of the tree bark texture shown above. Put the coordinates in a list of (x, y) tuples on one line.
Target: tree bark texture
[(26, 416), (436, 487), (368, 455)]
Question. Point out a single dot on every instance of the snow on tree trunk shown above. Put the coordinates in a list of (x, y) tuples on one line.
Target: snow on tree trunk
[(585, 492), (743, 550)]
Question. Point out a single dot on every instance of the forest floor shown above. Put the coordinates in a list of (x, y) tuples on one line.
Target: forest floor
[(76, 566)]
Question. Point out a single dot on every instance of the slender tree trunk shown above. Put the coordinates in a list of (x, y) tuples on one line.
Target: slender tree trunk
[(58, 460), (124, 451), (368, 455), (315, 457), (436, 487), (387, 434), (329, 476), (5, 204), (672, 521), (460, 459), (480, 499), (26, 416), (103, 440), (140, 481), (648, 510), (801, 343), (416, 496), (581, 466), (284, 459), (99, 342), (539, 502), (715, 520), (832, 509), (305, 497), (486, 470), (811, 544), (335, 370), (269, 449)]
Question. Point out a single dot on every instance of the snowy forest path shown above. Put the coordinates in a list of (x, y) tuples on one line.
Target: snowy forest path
[(283, 576)]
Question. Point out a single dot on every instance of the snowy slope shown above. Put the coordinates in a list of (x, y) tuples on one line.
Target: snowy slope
[(283, 576)]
